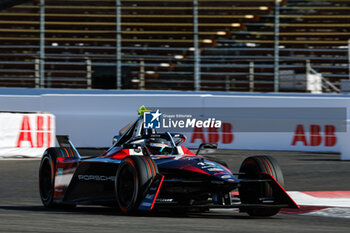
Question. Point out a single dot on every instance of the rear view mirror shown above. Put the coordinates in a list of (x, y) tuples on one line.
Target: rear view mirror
[(179, 138), (208, 146)]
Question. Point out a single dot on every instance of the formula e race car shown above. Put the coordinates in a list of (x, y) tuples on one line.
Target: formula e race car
[(145, 170)]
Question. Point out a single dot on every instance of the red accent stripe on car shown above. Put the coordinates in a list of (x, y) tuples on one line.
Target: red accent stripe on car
[(67, 152), (155, 197), (60, 159), (196, 169), (72, 153), (187, 151)]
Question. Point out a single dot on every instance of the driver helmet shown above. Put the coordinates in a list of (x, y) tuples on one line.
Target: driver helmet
[(158, 146)]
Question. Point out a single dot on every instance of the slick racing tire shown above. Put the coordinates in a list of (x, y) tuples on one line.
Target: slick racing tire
[(47, 179), (251, 193), (47, 173), (134, 175)]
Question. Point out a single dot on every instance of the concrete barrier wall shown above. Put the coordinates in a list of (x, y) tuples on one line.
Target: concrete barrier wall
[(92, 120), (20, 103)]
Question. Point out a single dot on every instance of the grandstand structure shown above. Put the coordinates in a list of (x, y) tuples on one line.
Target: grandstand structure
[(229, 45)]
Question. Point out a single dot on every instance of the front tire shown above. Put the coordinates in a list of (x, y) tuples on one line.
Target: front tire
[(134, 175), (251, 193)]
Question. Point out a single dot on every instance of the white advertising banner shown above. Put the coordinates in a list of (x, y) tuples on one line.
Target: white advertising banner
[(26, 134)]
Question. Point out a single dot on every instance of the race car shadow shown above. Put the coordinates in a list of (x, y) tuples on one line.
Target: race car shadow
[(107, 211), (79, 210)]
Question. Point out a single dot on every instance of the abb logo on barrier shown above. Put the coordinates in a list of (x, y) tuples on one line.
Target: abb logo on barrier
[(316, 137), (213, 135), (41, 133)]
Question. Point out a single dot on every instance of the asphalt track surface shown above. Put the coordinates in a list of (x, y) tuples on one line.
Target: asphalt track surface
[(21, 209)]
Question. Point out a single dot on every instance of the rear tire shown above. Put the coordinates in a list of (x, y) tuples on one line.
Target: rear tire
[(250, 193), (47, 179), (47, 172), (134, 175)]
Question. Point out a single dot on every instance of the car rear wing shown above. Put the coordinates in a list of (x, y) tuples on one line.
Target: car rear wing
[(63, 141)]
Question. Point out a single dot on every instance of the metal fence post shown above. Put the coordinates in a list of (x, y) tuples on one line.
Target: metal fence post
[(88, 73), (308, 67), (227, 83), (276, 55), (42, 44), (197, 68), (37, 73), (142, 75), (251, 76), (118, 45)]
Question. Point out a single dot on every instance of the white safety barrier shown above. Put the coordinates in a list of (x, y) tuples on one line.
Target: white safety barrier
[(93, 120), (26, 134), (302, 137)]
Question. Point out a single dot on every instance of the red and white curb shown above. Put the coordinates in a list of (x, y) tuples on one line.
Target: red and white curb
[(322, 198), (321, 203)]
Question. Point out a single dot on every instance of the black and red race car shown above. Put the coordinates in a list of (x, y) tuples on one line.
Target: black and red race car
[(146, 170)]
